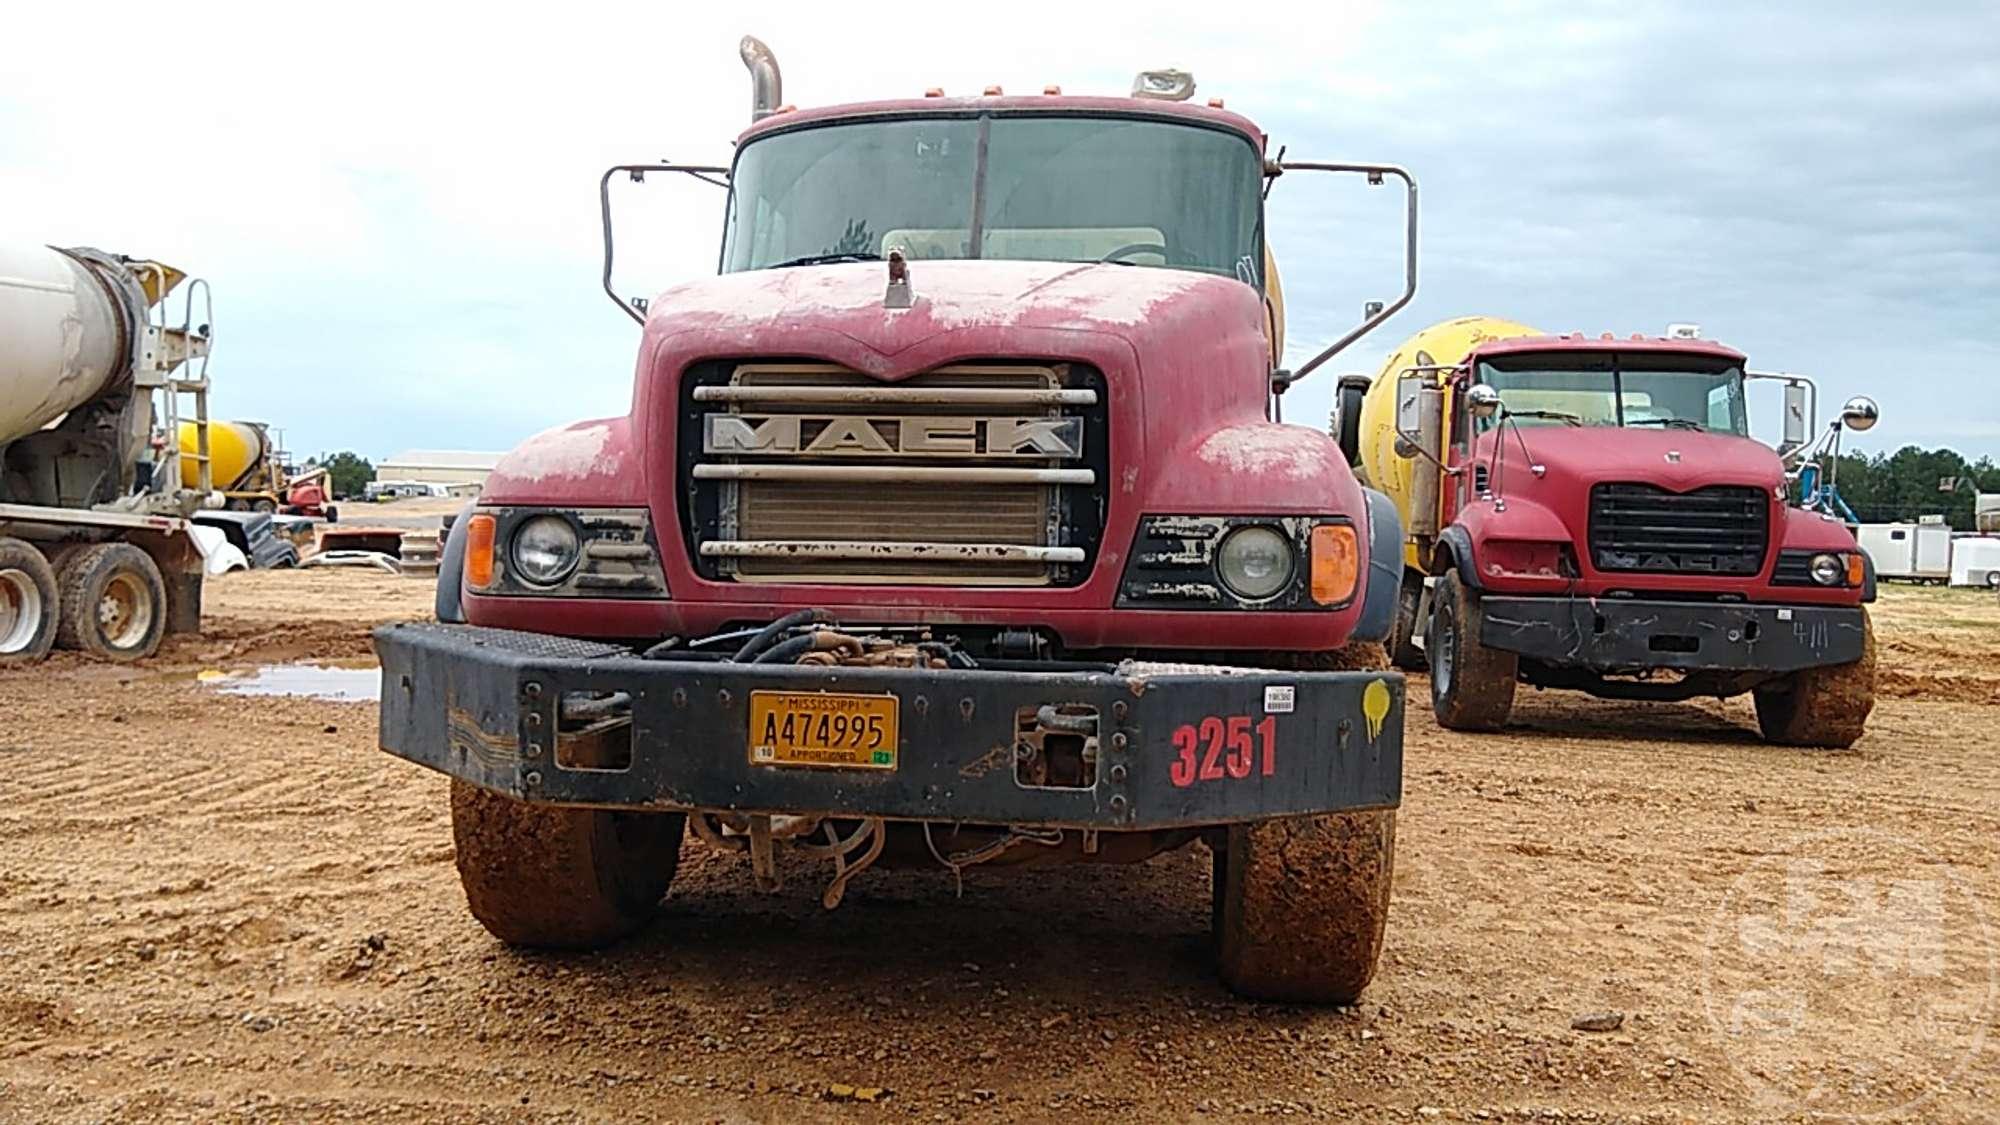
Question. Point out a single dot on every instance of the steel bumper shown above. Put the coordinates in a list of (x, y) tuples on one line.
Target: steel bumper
[(1176, 745), (1622, 634)]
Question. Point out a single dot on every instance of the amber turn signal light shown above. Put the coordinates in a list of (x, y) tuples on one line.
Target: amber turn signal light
[(479, 552), (1336, 563), (1857, 569)]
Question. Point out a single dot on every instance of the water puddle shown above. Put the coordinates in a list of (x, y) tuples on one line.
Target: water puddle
[(362, 684)]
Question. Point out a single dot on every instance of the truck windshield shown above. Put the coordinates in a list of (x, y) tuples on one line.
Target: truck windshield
[(1637, 391), (1036, 186)]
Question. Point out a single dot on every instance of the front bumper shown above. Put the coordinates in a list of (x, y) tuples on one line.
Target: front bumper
[(483, 704), (1623, 634)]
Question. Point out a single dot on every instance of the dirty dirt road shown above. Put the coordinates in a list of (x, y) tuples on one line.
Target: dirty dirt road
[(222, 907)]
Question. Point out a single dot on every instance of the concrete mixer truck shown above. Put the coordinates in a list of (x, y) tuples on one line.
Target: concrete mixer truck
[(95, 552), (949, 526), (1592, 514)]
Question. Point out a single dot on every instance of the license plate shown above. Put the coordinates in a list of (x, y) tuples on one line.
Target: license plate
[(810, 728)]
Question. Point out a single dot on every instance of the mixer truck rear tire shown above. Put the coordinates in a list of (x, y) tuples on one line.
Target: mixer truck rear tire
[(1301, 905), (114, 602), (1472, 686), (1403, 650), (550, 877), (29, 603), (1821, 707)]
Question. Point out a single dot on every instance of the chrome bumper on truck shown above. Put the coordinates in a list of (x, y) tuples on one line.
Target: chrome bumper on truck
[(561, 721), (1617, 634)]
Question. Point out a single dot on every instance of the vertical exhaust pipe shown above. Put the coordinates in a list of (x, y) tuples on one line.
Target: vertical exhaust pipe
[(767, 86)]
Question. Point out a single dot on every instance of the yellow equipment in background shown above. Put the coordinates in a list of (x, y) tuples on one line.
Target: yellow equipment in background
[(242, 464), (1438, 348)]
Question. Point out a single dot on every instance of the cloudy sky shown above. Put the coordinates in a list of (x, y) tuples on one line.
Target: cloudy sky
[(396, 204)]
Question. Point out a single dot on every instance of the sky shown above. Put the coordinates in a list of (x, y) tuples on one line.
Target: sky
[(396, 204)]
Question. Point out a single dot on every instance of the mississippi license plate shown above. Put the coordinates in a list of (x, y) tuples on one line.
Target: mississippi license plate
[(811, 728)]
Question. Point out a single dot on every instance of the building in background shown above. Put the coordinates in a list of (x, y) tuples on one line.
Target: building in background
[(456, 472)]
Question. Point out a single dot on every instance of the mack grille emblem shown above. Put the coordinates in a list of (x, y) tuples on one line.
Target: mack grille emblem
[(809, 435)]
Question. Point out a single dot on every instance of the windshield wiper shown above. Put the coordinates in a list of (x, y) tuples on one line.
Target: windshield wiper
[(824, 259), (1677, 423), (1550, 415)]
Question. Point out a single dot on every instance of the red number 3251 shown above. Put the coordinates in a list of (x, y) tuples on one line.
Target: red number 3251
[(1223, 747)]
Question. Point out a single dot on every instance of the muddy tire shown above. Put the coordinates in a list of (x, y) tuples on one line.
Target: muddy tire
[(266, 506), (561, 878), (30, 603), (1403, 651), (1822, 707), (1301, 905), (114, 602), (1472, 686)]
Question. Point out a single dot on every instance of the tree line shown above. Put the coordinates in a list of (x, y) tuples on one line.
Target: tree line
[(1906, 484)]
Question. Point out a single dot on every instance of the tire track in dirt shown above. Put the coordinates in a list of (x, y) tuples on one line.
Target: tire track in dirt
[(272, 929)]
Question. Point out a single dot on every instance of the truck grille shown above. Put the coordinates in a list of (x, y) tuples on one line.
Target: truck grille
[(1717, 530), (975, 474)]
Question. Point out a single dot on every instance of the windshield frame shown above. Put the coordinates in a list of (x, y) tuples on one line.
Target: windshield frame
[(1257, 250), (1612, 365)]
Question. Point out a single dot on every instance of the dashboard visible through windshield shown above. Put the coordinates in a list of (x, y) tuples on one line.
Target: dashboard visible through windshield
[(1635, 391), (1038, 186)]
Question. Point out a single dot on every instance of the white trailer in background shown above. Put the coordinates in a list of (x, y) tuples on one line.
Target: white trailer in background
[(1975, 561), (1909, 552)]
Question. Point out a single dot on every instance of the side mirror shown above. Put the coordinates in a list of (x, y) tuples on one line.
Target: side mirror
[(1798, 420), (1482, 400), (1409, 412), (1859, 413)]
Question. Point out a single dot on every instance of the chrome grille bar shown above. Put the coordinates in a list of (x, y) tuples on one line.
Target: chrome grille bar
[(896, 396), (907, 552), (873, 474)]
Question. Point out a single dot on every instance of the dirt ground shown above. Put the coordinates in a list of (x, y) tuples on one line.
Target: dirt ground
[(220, 907)]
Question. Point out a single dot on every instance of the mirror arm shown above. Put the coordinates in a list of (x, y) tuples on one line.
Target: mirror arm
[(635, 308), (1375, 173)]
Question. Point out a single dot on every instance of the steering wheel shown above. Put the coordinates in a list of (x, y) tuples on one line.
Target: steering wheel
[(1130, 248)]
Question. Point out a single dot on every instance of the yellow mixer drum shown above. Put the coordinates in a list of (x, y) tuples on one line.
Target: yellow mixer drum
[(235, 449)]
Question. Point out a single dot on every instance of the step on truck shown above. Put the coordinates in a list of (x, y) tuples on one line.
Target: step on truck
[(950, 526), (1592, 514), (96, 552)]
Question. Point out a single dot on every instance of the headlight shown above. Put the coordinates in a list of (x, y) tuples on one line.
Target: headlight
[(1255, 562), (1828, 570), (545, 550)]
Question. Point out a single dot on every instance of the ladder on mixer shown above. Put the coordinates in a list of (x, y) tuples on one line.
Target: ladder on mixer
[(175, 362)]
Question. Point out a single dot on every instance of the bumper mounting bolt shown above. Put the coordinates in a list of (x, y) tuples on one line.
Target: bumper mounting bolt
[(1119, 741), (532, 689), (1118, 774), (1119, 710), (680, 698), (533, 780)]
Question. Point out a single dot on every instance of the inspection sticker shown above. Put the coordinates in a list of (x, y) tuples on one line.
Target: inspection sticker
[(1279, 699)]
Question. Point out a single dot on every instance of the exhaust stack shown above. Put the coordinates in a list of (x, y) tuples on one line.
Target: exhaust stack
[(767, 86)]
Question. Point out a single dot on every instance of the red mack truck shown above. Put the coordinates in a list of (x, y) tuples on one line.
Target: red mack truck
[(951, 524)]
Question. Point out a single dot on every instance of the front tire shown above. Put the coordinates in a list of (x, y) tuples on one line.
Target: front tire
[(114, 602), (552, 877), (1821, 707), (1472, 686), (1301, 905), (30, 606)]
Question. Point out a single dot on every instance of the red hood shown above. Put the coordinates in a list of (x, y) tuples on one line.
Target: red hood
[(1677, 460), (769, 311), (1185, 361)]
